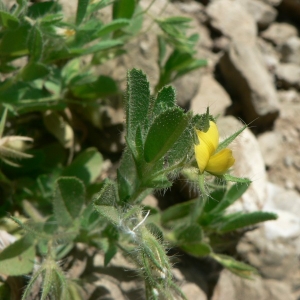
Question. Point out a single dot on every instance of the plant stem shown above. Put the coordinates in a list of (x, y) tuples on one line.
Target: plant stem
[(200, 202)]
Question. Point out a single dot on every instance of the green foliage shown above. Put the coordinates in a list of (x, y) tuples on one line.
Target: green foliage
[(51, 178)]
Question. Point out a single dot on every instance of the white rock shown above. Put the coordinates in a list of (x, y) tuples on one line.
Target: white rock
[(270, 145), (279, 33), (210, 94), (262, 13), (248, 163), (290, 50), (226, 16), (248, 79), (288, 75)]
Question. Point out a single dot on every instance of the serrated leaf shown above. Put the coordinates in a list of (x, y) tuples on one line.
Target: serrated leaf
[(163, 133), (112, 26), (138, 100), (107, 195), (86, 166), (35, 44), (165, 99), (81, 10), (237, 221), (123, 9), (7, 20), (234, 193), (197, 249), (110, 213), (69, 198), (18, 258)]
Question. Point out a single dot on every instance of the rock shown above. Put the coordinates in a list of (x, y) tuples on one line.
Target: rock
[(269, 55), (210, 94), (248, 163), (288, 75), (226, 16), (290, 50), (279, 33), (271, 2), (193, 291), (248, 80), (262, 13), (233, 287), (274, 259), (270, 144), (289, 96)]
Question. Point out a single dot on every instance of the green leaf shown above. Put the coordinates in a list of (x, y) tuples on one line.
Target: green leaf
[(17, 258), (112, 26), (237, 221), (38, 10), (138, 100), (213, 199), (163, 133), (34, 70), (2, 122), (197, 249), (160, 182), (162, 50), (239, 268), (102, 87), (35, 44), (97, 5), (165, 99), (102, 45), (110, 253), (69, 198), (177, 211), (7, 20), (235, 192), (189, 234), (81, 10), (123, 9), (52, 19), (86, 166), (14, 42), (176, 20)]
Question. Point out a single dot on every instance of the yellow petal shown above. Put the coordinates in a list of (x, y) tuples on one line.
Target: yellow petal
[(202, 156), (210, 138), (219, 163)]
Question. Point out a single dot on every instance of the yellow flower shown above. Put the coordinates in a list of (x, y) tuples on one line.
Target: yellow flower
[(206, 156)]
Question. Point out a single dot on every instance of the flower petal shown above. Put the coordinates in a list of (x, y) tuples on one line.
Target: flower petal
[(209, 138), (220, 162), (202, 156)]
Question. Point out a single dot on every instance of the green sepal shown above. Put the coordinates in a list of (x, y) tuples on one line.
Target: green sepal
[(230, 139), (232, 178)]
